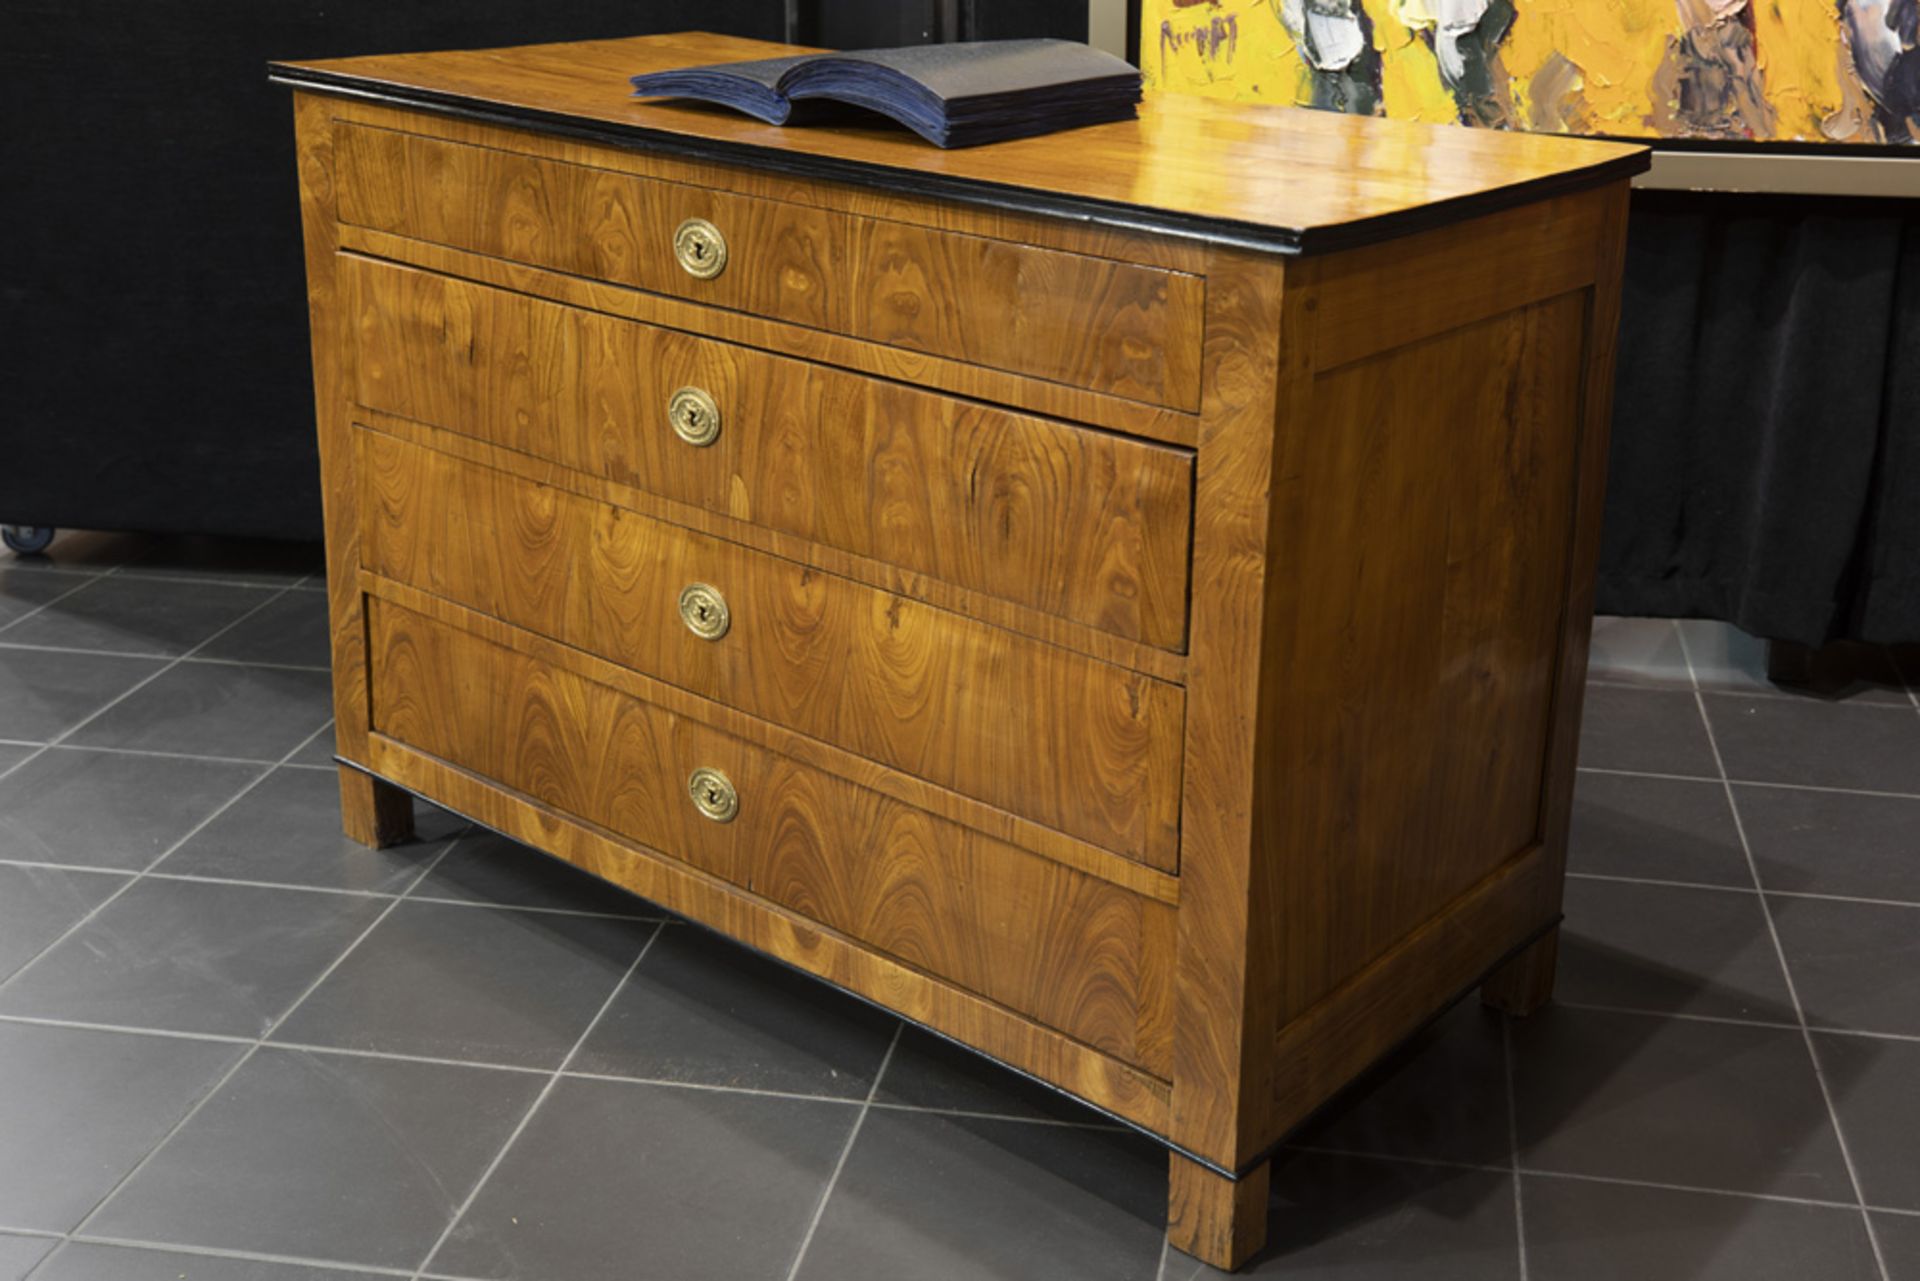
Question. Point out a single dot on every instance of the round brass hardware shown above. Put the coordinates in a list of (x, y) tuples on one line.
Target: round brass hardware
[(704, 610), (694, 415), (713, 794), (701, 249)]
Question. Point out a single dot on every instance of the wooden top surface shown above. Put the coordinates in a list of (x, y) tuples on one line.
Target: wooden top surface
[(1274, 178)]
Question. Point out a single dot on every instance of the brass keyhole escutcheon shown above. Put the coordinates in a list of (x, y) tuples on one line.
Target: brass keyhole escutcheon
[(704, 610), (701, 249), (694, 415), (713, 794)]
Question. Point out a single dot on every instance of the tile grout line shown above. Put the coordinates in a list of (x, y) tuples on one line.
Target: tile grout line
[(1732, 1021), (166, 667), (89, 651), (1746, 782), (526, 1118), (85, 582), (615, 1078), (147, 751), (1575, 1176), (1786, 974), (846, 1149), (1743, 889), (141, 874), (215, 1252), (1770, 695), (1513, 1144), (195, 878), (252, 1049)]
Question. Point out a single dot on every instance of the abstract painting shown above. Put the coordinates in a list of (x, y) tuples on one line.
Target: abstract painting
[(1824, 71)]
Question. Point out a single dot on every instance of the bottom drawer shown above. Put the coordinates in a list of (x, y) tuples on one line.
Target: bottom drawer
[(1070, 950)]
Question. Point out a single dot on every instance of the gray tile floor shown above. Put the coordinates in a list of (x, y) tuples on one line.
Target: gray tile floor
[(235, 1046)]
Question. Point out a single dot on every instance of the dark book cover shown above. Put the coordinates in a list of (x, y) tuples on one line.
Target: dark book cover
[(953, 95)]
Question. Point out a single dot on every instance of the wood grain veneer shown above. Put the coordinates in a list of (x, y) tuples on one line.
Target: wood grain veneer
[(1079, 745), (1093, 322), (1088, 525), (1053, 943), (1167, 683)]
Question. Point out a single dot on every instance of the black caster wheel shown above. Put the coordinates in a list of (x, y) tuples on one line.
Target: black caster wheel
[(27, 539)]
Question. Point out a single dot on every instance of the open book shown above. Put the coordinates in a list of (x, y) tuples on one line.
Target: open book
[(953, 95)]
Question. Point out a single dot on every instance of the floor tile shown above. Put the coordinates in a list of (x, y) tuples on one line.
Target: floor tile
[(105, 809), (79, 1108), (1583, 1231), (324, 1157), (615, 1181), (1833, 843), (288, 629), (705, 1010), (1710, 1105), (138, 616), (318, 751), (19, 1253), (239, 560), (258, 713), (928, 1071), (22, 591), (938, 1198), (39, 904), (1639, 650), (1726, 658), (44, 693), (490, 868), (1655, 731), (1899, 1244), (485, 985), (287, 830), (1363, 1219), (1876, 1091), (1855, 965), (190, 956), (87, 1262), (1665, 829), (1671, 949), (1806, 741), (1443, 1098)]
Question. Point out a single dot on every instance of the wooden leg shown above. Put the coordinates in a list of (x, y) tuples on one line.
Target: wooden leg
[(1525, 983), (373, 812), (1216, 1219)]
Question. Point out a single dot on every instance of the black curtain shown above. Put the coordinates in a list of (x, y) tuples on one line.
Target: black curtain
[(1766, 436), (153, 332)]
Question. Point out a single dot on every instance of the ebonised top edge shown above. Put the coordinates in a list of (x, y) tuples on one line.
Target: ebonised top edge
[(1217, 231)]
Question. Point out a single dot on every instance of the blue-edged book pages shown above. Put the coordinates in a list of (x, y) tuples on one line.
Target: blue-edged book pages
[(953, 95)]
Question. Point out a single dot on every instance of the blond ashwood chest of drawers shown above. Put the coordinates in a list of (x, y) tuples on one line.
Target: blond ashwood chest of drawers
[(1117, 599)]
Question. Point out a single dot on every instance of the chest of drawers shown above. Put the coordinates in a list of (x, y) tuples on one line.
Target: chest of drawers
[(1119, 600)]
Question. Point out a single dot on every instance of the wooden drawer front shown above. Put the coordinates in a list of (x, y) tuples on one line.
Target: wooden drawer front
[(1090, 322), (1082, 524), (1056, 944), (1079, 745)]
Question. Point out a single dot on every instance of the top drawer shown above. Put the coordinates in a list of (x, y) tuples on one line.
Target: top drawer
[(1096, 323)]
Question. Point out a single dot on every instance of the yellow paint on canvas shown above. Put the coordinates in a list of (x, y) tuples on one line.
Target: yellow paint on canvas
[(1232, 49), (1595, 60), (1617, 46), (1800, 62), (1410, 83)]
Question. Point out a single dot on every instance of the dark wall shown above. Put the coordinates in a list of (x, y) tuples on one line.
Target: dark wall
[(873, 24), (152, 310), (153, 336)]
